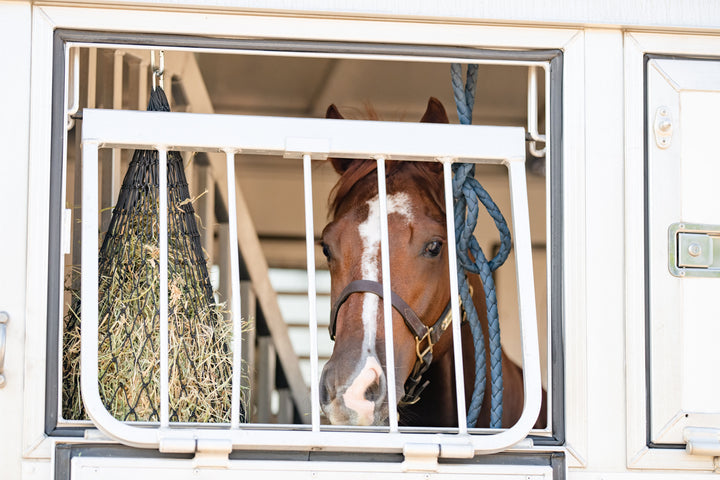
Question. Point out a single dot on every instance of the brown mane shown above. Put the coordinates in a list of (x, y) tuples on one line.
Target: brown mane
[(427, 175)]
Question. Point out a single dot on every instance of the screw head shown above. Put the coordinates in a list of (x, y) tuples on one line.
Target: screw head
[(694, 249)]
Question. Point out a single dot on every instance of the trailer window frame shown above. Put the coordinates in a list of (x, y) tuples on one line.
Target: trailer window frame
[(64, 36)]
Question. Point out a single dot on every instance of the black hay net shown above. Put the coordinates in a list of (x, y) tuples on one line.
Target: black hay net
[(200, 331)]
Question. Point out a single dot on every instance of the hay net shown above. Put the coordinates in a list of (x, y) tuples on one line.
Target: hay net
[(200, 331)]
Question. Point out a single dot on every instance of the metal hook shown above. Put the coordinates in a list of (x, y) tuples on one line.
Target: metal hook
[(532, 122), (73, 72), (158, 71)]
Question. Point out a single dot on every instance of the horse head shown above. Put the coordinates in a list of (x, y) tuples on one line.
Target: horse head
[(353, 385)]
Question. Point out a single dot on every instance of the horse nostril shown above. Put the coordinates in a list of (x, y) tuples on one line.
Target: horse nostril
[(372, 392), (375, 392), (325, 390)]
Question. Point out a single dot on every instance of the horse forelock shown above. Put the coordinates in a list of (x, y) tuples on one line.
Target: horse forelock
[(357, 182)]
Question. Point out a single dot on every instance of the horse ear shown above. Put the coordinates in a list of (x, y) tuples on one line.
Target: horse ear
[(333, 112), (435, 112), (339, 164)]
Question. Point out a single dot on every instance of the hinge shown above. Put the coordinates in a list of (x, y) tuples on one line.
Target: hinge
[(213, 453), (702, 441), (421, 457), (209, 452)]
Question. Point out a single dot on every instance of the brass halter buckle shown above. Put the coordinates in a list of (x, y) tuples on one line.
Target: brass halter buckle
[(428, 349)]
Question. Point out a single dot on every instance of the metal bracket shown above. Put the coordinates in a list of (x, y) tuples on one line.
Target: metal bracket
[(4, 319), (209, 453), (702, 441), (421, 457), (212, 453), (694, 250), (663, 127)]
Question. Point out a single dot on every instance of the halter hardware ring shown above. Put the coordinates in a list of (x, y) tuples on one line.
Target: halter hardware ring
[(428, 349)]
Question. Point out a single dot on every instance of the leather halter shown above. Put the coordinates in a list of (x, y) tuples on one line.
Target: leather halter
[(425, 337)]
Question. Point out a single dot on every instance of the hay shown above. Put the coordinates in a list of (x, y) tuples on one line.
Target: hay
[(128, 359)]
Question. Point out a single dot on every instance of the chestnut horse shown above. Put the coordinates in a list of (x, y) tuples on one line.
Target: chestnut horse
[(353, 386)]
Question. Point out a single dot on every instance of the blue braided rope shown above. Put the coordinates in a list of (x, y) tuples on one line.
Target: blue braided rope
[(466, 192)]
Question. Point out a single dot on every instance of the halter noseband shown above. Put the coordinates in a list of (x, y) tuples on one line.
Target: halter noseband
[(425, 337)]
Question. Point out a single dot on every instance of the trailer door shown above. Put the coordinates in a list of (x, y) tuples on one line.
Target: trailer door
[(682, 225)]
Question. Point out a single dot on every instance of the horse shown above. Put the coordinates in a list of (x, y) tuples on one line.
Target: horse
[(353, 386)]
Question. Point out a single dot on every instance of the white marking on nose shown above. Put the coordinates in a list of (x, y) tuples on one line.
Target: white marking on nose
[(369, 231), (354, 396)]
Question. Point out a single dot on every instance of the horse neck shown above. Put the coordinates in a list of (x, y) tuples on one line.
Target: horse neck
[(437, 406)]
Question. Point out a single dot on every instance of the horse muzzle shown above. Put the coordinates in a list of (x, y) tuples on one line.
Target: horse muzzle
[(363, 402)]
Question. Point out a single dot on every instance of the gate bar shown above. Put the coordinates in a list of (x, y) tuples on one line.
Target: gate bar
[(454, 296), (387, 295), (235, 293), (163, 260), (312, 293)]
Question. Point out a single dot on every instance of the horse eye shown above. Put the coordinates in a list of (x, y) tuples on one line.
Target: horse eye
[(326, 250), (433, 248)]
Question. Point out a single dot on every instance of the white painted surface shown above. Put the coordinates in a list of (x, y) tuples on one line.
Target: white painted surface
[(683, 13), (14, 123), (121, 469)]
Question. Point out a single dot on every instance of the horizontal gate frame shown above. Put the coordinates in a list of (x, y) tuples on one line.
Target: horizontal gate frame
[(303, 138)]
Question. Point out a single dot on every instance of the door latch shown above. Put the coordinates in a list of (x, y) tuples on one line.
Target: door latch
[(694, 250)]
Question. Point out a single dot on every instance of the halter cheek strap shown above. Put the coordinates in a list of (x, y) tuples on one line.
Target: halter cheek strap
[(425, 337)]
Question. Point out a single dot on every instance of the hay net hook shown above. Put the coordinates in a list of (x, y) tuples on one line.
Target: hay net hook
[(158, 70)]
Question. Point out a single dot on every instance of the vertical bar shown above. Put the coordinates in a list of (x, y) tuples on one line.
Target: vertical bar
[(549, 247), (532, 100), (143, 84), (235, 289), (163, 240), (116, 170), (525, 287), (92, 77), (312, 294), (89, 287), (454, 297), (387, 295)]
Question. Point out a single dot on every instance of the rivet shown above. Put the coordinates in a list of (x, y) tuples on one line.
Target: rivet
[(694, 249)]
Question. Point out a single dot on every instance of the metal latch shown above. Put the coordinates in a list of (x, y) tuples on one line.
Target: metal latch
[(694, 250)]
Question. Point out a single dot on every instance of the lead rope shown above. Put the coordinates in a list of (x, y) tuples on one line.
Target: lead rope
[(466, 193)]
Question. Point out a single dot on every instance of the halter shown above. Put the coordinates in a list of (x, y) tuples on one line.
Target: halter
[(425, 337)]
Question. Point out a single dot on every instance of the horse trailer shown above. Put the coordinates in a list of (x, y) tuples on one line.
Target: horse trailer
[(207, 205)]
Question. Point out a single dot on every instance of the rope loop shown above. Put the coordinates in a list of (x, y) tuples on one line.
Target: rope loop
[(466, 193)]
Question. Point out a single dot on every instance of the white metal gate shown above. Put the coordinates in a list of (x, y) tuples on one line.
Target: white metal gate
[(305, 139)]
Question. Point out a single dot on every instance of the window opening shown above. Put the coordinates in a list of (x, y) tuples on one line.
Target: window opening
[(277, 237)]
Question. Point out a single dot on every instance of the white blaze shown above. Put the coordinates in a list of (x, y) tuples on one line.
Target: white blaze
[(370, 260)]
